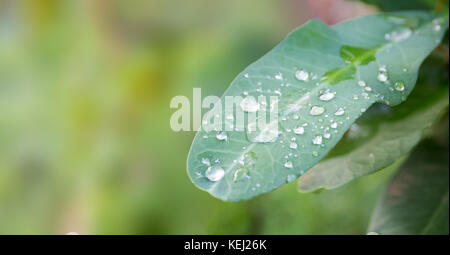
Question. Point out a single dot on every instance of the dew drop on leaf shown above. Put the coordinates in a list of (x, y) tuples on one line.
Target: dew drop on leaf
[(302, 75), (293, 145), (288, 164), (317, 140), (327, 96), (299, 130), (316, 110), (339, 112), (206, 161), (279, 76), (382, 74), (214, 173), (399, 86), (222, 136)]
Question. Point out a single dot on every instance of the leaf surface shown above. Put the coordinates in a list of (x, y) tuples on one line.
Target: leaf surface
[(324, 78), (383, 134)]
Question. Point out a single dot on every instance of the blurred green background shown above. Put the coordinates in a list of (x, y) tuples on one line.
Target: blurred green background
[(85, 139)]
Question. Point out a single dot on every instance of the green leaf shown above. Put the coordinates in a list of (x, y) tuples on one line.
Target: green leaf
[(439, 6), (416, 201), (383, 134), (316, 73), (398, 5)]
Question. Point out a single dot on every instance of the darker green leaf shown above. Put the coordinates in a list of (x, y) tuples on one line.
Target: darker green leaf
[(416, 200)]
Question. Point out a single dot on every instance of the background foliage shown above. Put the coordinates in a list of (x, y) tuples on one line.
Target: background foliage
[(85, 143)]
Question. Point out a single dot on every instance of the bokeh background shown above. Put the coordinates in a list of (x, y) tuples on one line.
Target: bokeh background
[(85, 139)]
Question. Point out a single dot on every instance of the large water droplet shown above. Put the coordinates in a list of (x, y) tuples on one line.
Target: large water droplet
[(214, 173), (399, 86), (334, 125), (222, 136), (327, 95), (249, 104), (302, 75), (317, 110)]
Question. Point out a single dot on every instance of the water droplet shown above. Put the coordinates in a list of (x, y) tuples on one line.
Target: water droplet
[(368, 89), (339, 112), (277, 91), (382, 77), (222, 136), (362, 83), (293, 146), (327, 96), (399, 86), (334, 125), (436, 22), (327, 135), (288, 164), (372, 233), (206, 161), (302, 75), (299, 130), (397, 36), (249, 104), (315, 153), (316, 110), (279, 76), (291, 178), (317, 140), (382, 74), (214, 173), (246, 75)]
